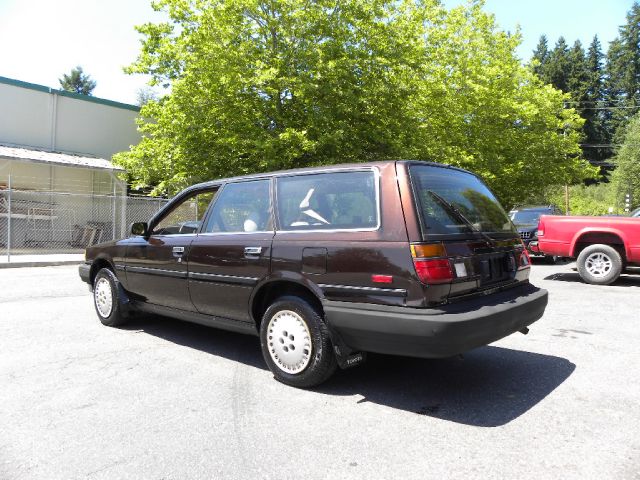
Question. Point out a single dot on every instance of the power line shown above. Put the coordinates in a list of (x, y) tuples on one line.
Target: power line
[(607, 145), (578, 105)]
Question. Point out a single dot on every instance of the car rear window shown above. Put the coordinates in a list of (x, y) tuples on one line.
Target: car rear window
[(328, 201), (452, 202)]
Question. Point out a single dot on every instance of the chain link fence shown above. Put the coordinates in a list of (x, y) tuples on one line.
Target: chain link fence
[(38, 222)]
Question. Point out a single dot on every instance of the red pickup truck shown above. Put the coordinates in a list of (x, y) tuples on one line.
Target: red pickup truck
[(603, 246)]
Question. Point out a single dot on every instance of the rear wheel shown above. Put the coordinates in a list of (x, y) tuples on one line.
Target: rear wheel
[(106, 299), (599, 264), (295, 343)]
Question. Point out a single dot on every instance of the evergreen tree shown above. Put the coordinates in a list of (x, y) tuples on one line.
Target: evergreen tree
[(629, 71), (541, 58), (78, 82), (145, 95), (594, 112), (557, 71), (578, 74), (623, 69)]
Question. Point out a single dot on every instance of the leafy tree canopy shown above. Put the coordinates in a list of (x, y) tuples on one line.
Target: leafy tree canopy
[(262, 85), (78, 82)]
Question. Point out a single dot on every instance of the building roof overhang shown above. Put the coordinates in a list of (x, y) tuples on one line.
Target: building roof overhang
[(24, 154)]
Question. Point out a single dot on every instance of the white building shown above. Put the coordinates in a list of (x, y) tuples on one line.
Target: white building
[(61, 141), (55, 154)]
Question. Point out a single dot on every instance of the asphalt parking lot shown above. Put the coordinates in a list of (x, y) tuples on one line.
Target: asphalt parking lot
[(161, 399)]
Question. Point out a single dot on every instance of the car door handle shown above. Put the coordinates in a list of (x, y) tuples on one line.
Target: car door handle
[(178, 250), (252, 251)]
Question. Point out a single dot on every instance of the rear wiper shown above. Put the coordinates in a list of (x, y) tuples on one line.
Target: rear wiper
[(458, 214)]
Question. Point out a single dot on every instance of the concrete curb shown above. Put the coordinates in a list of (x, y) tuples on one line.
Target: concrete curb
[(40, 264)]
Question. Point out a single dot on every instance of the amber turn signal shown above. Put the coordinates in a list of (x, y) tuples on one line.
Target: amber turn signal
[(428, 251)]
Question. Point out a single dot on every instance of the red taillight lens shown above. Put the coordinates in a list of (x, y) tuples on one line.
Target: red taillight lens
[(433, 271)]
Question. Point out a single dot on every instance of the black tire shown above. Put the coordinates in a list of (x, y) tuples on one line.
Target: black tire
[(106, 283), (315, 366), (599, 264)]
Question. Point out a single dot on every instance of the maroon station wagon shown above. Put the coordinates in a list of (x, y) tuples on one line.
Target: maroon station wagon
[(325, 264)]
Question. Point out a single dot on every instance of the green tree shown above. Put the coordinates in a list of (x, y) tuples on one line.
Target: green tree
[(540, 58), (626, 176), (595, 112), (558, 66), (258, 86), (580, 75), (623, 68), (78, 82)]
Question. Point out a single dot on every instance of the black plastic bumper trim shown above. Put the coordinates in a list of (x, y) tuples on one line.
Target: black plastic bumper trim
[(436, 332), (359, 291)]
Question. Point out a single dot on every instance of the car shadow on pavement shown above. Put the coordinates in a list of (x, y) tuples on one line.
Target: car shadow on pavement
[(489, 387), (623, 281), (234, 346)]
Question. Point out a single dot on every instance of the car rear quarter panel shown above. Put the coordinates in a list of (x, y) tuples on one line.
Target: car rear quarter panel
[(352, 257)]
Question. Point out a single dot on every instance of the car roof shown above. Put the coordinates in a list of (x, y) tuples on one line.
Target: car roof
[(319, 169)]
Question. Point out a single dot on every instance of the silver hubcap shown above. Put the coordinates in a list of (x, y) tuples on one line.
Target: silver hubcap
[(103, 297), (289, 341), (598, 264)]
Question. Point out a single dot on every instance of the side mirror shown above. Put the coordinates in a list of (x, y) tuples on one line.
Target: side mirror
[(139, 229)]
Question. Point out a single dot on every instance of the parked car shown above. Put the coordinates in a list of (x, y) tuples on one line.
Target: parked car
[(602, 246), (635, 213), (525, 219), (326, 264)]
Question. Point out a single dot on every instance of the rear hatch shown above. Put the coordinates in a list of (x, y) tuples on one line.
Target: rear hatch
[(467, 243)]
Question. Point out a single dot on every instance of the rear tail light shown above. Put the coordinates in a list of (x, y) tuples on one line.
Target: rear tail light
[(431, 270), (540, 228), (434, 271)]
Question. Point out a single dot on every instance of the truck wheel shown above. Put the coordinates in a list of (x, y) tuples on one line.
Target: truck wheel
[(106, 299), (599, 264), (296, 344)]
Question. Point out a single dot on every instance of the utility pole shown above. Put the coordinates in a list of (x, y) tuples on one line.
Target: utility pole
[(566, 200)]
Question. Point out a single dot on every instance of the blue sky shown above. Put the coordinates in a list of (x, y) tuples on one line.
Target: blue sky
[(42, 39), (573, 19)]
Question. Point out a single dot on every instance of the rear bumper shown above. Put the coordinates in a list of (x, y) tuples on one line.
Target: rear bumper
[(436, 332)]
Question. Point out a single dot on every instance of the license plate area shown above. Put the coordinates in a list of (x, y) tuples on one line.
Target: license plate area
[(493, 268)]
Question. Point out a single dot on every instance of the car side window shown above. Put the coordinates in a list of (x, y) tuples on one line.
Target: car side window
[(186, 216), (326, 201), (242, 207)]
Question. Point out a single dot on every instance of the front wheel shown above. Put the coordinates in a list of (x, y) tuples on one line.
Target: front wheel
[(295, 343), (599, 264), (106, 299)]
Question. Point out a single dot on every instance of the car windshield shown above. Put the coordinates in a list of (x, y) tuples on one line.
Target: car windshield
[(523, 217), (455, 202)]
